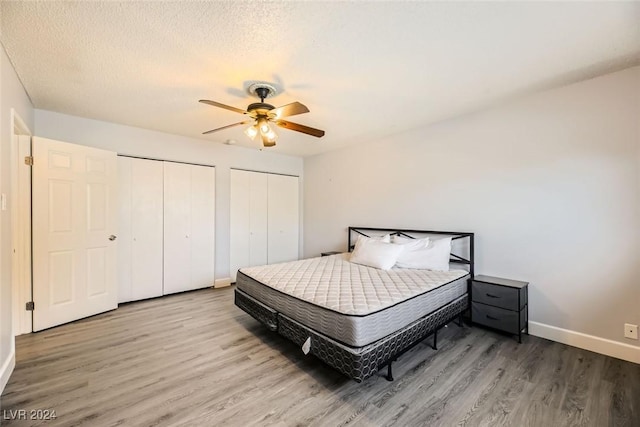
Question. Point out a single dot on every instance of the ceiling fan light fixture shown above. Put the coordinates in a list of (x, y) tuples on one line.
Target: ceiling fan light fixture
[(271, 135), (263, 125), (267, 142), (251, 131), (261, 116)]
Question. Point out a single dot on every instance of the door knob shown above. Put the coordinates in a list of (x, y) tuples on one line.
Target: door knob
[(112, 237)]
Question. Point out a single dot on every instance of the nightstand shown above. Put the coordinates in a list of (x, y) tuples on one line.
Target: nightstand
[(330, 253), (500, 304)]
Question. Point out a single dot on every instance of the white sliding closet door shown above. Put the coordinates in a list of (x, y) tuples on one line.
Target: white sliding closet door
[(189, 218), (177, 227), (140, 260), (124, 230), (202, 226), (264, 219), (283, 218), (258, 221), (248, 220), (240, 240)]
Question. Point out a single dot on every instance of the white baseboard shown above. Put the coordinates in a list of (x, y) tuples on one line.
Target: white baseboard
[(221, 283), (7, 370), (604, 346)]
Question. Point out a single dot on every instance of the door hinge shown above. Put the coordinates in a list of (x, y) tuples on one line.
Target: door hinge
[(30, 306), (28, 160)]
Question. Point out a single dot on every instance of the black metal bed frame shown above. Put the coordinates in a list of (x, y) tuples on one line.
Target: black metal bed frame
[(408, 337), (455, 235)]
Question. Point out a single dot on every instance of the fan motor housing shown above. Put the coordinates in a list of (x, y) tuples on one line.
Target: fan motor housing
[(260, 106)]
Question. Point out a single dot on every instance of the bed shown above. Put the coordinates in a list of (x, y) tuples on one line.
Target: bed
[(355, 318)]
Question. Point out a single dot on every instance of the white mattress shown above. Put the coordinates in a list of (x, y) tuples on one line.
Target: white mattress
[(351, 303)]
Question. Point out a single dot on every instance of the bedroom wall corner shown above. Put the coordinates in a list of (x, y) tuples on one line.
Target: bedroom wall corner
[(550, 184)]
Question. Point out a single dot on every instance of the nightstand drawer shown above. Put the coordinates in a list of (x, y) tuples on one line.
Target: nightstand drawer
[(495, 295), (498, 318)]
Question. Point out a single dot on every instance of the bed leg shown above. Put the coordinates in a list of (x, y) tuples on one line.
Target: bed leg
[(389, 376), (435, 340), (460, 320)]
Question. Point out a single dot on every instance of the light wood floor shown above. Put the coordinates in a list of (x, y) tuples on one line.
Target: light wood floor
[(195, 359)]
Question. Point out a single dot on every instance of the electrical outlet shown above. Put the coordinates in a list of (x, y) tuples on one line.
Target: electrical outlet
[(631, 331)]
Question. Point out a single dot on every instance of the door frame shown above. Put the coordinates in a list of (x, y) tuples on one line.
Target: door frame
[(21, 292)]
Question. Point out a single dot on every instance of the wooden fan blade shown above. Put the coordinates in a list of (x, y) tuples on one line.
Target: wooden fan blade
[(290, 110), (228, 126), (300, 128), (226, 107)]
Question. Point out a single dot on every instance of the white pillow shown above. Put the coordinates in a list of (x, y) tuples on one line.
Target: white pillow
[(410, 244), (386, 238), (375, 253), (435, 256)]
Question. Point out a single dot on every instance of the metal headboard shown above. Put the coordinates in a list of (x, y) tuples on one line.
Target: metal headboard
[(455, 235)]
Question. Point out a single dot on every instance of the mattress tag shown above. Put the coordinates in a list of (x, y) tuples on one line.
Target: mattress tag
[(306, 347)]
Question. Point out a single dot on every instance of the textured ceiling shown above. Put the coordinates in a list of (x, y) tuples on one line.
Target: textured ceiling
[(364, 69)]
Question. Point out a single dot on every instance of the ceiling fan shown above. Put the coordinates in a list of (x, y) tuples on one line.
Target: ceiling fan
[(262, 114)]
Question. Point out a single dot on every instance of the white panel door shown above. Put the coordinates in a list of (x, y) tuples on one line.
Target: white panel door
[(283, 218), (240, 197), (177, 227), (258, 221), (140, 249), (74, 228), (202, 234)]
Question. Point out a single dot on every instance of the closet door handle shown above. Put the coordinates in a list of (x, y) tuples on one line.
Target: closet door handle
[(112, 237)]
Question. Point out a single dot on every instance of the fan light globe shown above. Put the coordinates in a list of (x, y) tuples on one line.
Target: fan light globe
[(264, 126), (271, 135), (251, 132)]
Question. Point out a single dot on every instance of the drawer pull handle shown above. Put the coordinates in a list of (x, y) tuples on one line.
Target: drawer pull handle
[(492, 318), (492, 296)]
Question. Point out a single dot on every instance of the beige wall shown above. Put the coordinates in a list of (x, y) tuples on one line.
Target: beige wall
[(549, 183), (12, 95)]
